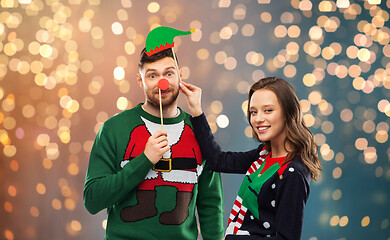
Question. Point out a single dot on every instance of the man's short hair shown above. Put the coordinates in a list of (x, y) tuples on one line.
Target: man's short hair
[(155, 57)]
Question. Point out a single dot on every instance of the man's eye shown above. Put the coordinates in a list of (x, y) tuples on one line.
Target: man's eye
[(152, 76), (169, 74)]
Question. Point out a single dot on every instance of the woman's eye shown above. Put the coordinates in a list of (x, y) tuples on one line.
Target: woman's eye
[(252, 112), (268, 110)]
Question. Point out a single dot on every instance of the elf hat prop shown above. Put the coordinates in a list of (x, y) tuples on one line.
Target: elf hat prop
[(161, 38)]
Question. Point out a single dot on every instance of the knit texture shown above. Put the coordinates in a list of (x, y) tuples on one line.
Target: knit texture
[(270, 202), (146, 201)]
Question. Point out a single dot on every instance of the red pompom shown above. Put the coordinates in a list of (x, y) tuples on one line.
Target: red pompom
[(163, 84)]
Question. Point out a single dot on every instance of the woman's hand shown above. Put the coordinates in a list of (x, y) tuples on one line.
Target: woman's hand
[(194, 95)]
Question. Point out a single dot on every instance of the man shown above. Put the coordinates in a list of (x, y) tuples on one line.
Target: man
[(152, 180)]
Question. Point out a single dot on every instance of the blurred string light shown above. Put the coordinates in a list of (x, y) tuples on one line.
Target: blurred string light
[(66, 67)]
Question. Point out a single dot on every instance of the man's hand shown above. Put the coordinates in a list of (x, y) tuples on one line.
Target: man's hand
[(156, 146), (194, 95)]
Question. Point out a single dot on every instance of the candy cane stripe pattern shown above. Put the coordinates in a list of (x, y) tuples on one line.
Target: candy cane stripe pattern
[(238, 209)]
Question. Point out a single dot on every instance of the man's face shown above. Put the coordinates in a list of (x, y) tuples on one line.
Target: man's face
[(149, 76)]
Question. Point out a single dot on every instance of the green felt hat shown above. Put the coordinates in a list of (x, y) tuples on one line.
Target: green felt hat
[(161, 38)]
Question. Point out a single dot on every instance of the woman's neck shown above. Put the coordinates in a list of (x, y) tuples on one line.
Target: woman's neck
[(280, 150)]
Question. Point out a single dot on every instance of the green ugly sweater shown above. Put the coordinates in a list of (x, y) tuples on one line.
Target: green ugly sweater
[(146, 201)]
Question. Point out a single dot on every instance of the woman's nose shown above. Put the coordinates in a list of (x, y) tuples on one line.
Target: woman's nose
[(259, 118)]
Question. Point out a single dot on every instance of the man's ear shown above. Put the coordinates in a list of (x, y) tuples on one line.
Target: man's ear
[(139, 80)]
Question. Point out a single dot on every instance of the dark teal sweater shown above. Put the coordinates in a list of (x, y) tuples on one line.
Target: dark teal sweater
[(271, 200)]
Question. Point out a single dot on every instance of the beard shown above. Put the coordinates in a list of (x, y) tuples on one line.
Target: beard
[(167, 101)]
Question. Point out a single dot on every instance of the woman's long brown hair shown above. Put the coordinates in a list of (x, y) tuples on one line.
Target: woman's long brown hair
[(299, 136)]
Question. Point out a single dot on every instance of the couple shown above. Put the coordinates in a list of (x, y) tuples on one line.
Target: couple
[(152, 180)]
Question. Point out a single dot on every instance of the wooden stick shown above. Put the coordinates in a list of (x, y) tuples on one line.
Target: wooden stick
[(177, 67), (161, 115)]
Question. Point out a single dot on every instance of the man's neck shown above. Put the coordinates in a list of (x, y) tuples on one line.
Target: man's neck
[(168, 112)]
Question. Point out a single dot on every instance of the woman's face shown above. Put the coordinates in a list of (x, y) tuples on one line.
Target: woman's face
[(267, 118)]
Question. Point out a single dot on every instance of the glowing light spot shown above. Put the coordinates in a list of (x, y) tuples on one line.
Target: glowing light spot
[(74, 106), (343, 221), (363, 54), (248, 30), (34, 211), (45, 50), (153, 7), (69, 204), (381, 136), (328, 53), (280, 31), (370, 155), (73, 169), (43, 139), (8, 207), (196, 36), (56, 204), (41, 188), (309, 80), (334, 221), (216, 107), (365, 221), (203, 54), (336, 195), (9, 235), (222, 121), (337, 173), (239, 12), (315, 97), (309, 120), (342, 3), (266, 17), (47, 163), (346, 115), (14, 165), (226, 33), (294, 31), (119, 73), (122, 103), (220, 57), (9, 150), (75, 225), (117, 28), (12, 191), (230, 63)]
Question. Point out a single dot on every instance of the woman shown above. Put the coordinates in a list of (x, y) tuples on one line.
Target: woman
[(271, 199)]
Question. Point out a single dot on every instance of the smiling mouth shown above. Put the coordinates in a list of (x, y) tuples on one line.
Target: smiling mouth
[(263, 129)]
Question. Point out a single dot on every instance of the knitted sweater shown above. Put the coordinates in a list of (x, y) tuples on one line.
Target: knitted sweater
[(146, 201), (271, 199)]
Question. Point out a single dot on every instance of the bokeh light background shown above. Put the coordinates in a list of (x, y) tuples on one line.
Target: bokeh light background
[(67, 66)]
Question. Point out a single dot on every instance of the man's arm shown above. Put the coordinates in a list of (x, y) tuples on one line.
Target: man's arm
[(210, 204), (104, 185)]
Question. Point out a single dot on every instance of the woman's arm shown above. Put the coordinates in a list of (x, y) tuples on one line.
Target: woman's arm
[(229, 162), (218, 160)]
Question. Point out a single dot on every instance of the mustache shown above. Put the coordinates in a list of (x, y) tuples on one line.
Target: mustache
[(169, 89)]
